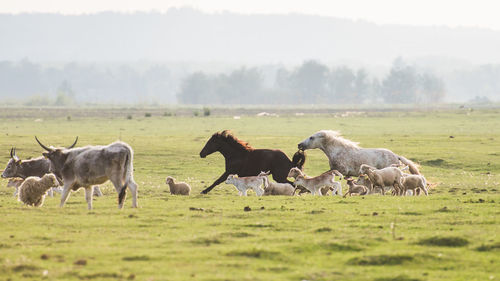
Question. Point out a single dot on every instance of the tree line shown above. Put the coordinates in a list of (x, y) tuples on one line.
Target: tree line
[(313, 83)]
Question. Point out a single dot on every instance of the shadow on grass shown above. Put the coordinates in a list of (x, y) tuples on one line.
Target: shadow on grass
[(329, 247), (254, 253), (381, 260), (489, 248), (444, 241), (397, 278), (137, 258), (206, 241)]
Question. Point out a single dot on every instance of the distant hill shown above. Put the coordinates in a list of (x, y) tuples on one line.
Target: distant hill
[(192, 36)]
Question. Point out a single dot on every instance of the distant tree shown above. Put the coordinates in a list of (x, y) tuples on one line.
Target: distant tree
[(341, 85), (431, 89), (195, 89), (400, 86), (310, 81)]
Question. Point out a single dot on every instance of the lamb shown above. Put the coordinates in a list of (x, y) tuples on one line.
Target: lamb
[(15, 183), (390, 176), (414, 183), (33, 190), (332, 185), (355, 188), (364, 180), (242, 184), (180, 188), (275, 188)]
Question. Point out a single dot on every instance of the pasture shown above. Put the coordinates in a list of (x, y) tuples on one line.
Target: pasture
[(450, 235)]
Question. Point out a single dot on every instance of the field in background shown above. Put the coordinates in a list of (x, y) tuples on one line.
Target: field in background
[(297, 238)]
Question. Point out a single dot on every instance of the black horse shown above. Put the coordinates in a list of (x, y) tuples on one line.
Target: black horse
[(243, 160)]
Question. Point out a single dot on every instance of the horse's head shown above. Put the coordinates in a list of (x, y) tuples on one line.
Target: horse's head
[(314, 141), (210, 147)]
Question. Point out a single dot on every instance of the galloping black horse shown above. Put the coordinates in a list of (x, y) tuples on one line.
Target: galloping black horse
[(243, 160)]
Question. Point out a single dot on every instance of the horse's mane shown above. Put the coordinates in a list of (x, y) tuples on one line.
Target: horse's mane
[(228, 137), (336, 138)]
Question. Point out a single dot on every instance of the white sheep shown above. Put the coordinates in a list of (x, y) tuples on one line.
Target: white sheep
[(180, 188), (242, 184), (275, 188), (390, 176), (414, 183), (33, 190)]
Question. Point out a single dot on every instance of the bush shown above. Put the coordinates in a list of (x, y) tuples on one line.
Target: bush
[(196, 113), (129, 117), (147, 114), (206, 111)]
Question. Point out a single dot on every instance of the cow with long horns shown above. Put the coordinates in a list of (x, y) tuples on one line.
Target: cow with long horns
[(17, 168), (90, 165), (37, 167)]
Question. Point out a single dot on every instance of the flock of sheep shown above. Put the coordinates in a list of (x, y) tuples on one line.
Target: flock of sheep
[(41, 176)]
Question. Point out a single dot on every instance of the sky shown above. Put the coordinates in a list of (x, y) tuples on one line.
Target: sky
[(453, 13)]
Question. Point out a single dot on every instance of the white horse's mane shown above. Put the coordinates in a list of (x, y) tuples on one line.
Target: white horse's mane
[(336, 138)]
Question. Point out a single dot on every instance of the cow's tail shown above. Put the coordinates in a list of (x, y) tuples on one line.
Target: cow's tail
[(128, 174), (265, 180), (299, 159), (412, 166)]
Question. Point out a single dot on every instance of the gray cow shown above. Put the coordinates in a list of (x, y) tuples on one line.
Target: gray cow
[(90, 165), (36, 167)]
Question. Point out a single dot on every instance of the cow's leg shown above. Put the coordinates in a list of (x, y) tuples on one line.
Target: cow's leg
[(65, 193), (89, 191), (222, 178), (132, 186), (120, 186), (97, 191), (50, 192)]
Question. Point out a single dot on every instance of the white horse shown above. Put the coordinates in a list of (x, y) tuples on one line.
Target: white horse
[(346, 156)]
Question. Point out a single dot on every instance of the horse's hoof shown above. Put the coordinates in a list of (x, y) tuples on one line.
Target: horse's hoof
[(204, 192)]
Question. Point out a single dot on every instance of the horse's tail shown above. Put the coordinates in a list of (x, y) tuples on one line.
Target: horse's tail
[(299, 158), (413, 167)]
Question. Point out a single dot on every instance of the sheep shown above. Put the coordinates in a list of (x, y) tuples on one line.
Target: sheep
[(364, 180), (390, 176), (414, 183), (242, 184), (180, 188), (33, 190), (315, 184), (334, 186), (275, 188), (294, 172), (355, 188), (15, 183)]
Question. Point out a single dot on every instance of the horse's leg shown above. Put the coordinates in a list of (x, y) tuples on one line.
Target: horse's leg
[(222, 178)]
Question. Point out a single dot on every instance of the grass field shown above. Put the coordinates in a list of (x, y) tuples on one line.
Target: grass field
[(450, 235)]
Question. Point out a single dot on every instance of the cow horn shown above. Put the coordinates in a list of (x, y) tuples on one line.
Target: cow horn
[(43, 146), (73, 145), (11, 150)]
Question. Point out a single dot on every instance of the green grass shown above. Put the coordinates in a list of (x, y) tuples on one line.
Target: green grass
[(211, 237)]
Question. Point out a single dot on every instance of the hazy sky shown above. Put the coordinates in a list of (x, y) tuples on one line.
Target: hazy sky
[(478, 13)]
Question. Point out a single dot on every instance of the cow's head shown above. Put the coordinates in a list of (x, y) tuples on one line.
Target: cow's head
[(57, 156), (12, 166)]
